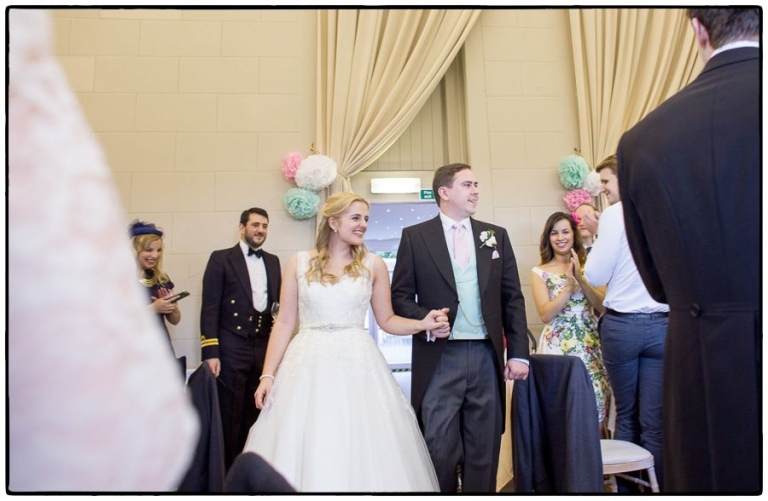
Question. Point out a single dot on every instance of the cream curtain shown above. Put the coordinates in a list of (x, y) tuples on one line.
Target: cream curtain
[(454, 107), (376, 68), (627, 62)]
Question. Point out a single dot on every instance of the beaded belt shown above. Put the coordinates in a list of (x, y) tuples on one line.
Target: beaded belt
[(331, 326)]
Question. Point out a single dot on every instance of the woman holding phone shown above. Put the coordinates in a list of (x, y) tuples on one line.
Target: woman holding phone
[(148, 244)]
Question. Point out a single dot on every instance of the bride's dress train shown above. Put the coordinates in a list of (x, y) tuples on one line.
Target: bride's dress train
[(336, 420)]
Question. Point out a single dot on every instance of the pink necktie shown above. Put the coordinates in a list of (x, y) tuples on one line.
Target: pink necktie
[(460, 250)]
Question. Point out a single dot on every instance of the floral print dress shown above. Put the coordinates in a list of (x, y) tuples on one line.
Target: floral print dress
[(573, 332)]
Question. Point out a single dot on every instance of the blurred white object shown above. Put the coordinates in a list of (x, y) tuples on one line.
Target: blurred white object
[(592, 183), (95, 399)]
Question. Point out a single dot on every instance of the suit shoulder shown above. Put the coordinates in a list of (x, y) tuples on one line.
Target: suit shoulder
[(483, 225), (272, 256), (219, 253), (419, 227), (222, 255), (681, 107), (658, 115)]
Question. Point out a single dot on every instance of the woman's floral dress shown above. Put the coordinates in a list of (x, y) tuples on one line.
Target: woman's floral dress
[(574, 332)]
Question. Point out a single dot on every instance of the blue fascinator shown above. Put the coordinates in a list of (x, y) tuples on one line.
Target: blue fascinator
[(143, 228)]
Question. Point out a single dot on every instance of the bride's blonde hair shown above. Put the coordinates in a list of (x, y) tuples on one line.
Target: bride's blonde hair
[(334, 208)]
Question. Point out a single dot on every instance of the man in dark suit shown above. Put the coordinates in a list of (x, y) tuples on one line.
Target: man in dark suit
[(458, 390), (240, 285), (690, 178)]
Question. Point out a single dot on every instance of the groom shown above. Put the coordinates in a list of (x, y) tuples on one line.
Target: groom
[(458, 389)]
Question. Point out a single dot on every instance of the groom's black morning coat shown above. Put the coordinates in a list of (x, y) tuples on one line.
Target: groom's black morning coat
[(423, 280)]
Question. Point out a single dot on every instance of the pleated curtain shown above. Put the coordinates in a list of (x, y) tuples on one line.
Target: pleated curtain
[(376, 68), (626, 63)]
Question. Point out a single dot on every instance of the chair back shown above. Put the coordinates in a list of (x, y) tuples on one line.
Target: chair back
[(251, 474), (555, 428), (206, 474)]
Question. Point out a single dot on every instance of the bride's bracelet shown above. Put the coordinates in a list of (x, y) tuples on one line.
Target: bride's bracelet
[(270, 376)]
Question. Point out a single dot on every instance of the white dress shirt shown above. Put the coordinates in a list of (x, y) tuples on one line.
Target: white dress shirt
[(448, 231), (610, 262), (257, 272), (735, 45)]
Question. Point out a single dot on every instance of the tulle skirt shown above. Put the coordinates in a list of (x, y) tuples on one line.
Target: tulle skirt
[(337, 421)]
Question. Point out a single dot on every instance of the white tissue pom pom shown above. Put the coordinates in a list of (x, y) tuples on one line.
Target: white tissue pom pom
[(592, 183), (316, 172)]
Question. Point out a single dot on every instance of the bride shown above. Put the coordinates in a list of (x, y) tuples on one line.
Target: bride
[(334, 419)]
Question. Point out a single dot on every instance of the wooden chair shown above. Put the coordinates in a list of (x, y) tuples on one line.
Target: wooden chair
[(621, 457)]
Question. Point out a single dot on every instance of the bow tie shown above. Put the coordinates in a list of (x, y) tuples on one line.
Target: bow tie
[(258, 252)]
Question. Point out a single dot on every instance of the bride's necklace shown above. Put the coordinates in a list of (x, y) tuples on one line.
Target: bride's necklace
[(335, 269), (332, 267)]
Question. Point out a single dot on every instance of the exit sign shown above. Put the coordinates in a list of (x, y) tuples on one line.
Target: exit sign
[(426, 195)]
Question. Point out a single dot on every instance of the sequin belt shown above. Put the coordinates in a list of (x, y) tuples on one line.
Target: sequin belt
[(331, 326)]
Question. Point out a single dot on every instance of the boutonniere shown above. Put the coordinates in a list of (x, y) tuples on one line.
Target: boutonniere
[(488, 239)]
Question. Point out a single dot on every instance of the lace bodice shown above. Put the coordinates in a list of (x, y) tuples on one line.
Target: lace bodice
[(340, 305)]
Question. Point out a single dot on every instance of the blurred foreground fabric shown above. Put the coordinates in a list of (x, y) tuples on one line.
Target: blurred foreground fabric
[(95, 401)]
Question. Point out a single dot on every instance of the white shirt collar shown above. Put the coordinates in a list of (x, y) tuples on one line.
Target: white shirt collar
[(735, 45), (448, 223), (245, 247)]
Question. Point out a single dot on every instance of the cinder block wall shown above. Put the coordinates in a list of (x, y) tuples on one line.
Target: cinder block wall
[(195, 109), (522, 122)]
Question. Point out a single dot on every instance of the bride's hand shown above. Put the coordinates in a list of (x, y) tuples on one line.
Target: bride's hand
[(262, 392), (436, 321)]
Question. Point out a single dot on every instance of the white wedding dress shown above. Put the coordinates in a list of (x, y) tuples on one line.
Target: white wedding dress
[(336, 420)]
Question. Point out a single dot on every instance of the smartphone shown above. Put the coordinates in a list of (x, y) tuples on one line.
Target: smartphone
[(180, 295)]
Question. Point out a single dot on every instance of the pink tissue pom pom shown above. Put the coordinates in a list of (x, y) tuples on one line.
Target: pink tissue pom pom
[(290, 164), (576, 218), (574, 198)]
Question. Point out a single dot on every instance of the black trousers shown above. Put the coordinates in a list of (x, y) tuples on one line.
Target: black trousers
[(462, 417), (242, 359)]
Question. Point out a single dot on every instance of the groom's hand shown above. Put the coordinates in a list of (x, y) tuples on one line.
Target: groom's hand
[(515, 370), (443, 332)]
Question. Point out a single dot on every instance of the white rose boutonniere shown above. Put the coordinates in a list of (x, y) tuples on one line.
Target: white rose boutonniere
[(488, 239)]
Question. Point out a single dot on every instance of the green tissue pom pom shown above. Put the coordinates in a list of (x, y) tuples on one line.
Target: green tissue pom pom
[(573, 172), (301, 203)]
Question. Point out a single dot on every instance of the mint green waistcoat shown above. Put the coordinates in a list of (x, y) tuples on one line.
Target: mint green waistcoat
[(469, 322)]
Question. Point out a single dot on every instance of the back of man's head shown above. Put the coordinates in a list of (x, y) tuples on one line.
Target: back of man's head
[(728, 25), (611, 162)]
